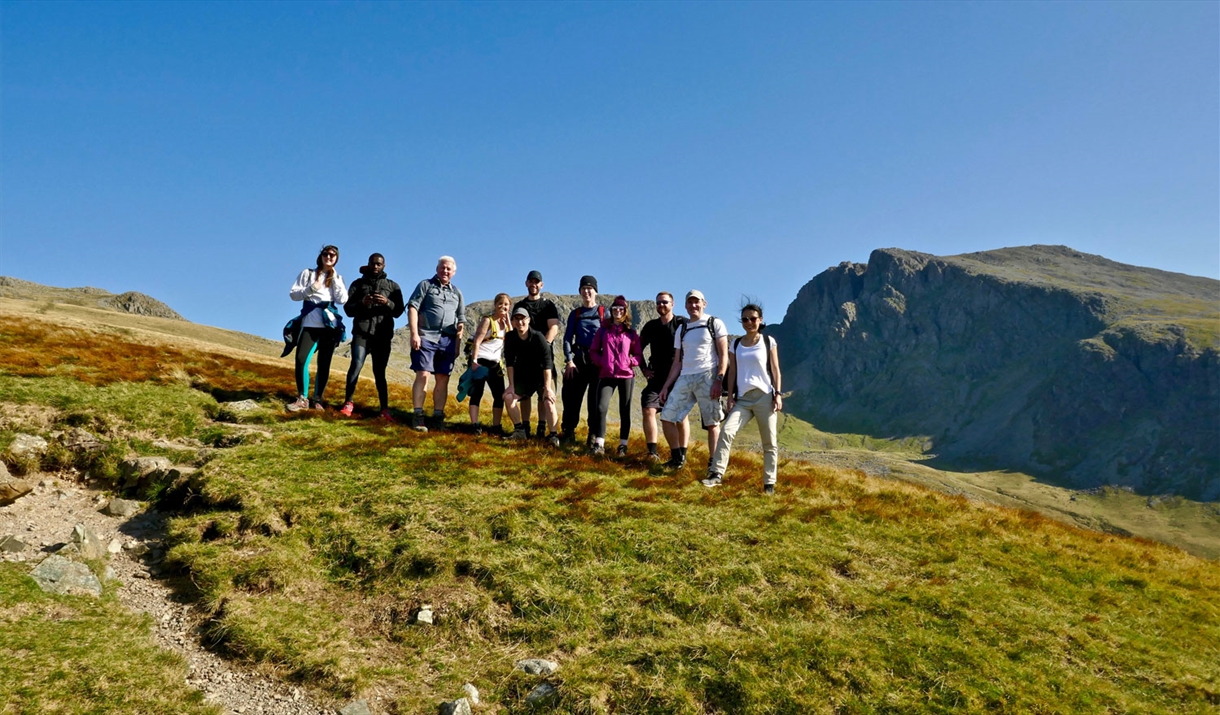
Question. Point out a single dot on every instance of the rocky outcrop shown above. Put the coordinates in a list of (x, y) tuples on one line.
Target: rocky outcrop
[(129, 302), (139, 304), (1040, 359)]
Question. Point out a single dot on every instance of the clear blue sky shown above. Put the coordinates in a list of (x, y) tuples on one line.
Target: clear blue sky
[(203, 152)]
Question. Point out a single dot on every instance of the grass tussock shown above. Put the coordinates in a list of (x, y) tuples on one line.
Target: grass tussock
[(315, 550)]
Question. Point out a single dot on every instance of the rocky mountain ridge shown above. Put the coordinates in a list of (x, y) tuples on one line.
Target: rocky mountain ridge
[(129, 302), (1038, 358)]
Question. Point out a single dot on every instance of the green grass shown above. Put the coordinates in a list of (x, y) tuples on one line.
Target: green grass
[(842, 594), (72, 654)]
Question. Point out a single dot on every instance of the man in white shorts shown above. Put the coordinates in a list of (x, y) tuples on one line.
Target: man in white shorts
[(696, 377)]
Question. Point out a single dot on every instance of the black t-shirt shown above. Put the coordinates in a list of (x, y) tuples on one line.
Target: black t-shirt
[(541, 312), (660, 336), (528, 356)]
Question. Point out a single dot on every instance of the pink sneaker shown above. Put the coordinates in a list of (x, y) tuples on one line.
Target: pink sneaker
[(347, 408), (385, 415)]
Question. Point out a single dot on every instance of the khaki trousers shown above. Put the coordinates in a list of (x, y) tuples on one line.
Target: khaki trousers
[(753, 404)]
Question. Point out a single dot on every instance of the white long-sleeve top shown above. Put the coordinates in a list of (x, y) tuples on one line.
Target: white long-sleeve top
[(303, 289)]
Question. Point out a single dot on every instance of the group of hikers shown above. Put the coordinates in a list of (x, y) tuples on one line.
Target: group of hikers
[(690, 361)]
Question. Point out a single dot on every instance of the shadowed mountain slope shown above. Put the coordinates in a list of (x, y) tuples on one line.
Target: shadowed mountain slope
[(1038, 358)]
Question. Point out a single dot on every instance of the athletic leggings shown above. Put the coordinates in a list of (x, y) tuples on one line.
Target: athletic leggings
[(319, 341), (585, 378), (379, 349), (606, 386), (494, 379)]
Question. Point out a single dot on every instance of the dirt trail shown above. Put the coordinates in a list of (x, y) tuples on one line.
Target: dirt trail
[(46, 517)]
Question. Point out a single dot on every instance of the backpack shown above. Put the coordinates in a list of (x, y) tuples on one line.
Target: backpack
[(766, 349)]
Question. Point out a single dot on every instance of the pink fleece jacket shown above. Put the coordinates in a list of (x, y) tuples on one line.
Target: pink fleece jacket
[(616, 351)]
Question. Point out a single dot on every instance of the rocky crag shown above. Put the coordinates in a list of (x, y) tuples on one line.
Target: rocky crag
[(129, 302), (1039, 359)]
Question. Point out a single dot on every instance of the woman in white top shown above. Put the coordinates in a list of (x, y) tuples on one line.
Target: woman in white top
[(322, 289), (754, 386), (488, 349)]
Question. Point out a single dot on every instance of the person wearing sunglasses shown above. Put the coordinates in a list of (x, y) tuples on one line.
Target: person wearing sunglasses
[(616, 352), (754, 391), (657, 337), (318, 329)]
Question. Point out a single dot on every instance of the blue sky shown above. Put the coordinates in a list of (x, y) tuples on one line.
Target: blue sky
[(203, 152)]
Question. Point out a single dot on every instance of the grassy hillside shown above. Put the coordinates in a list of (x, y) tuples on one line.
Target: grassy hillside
[(313, 551)]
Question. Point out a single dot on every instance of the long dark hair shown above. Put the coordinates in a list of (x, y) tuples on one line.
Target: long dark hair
[(330, 279)]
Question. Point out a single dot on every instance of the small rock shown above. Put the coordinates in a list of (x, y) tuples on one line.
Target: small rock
[(141, 470), (425, 615), (12, 488), (121, 507), (115, 546), (87, 543), (109, 574), (472, 693), (59, 575), (28, 445), (356, 707), (241, 406), (461, 706), (540, 693), (537, 666), (136, 548), (79, 440), (11, 544)]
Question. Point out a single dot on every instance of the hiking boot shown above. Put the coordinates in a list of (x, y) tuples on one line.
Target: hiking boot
[(316, 404), (346, 409), (568, 439), (476, 430), (597, 450), (436, 423), (713, 480), (768, 489), (385, 417), (621, 451), (554, 440), (675, 462), (540, 433), (300, 403), (417, 423), (519, 434), (654, 457)]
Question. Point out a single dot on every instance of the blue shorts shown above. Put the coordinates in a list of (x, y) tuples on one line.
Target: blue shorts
[(435, 356)]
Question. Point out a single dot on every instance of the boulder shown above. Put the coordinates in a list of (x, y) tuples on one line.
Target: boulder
[(540, 693), (87, 543), (472, 693), (12, 488), (79, 440), (57, 574), (142, 470), (28, 446), (356, 707), (11, 544), (537, 666), (121, 507), (461, 706)]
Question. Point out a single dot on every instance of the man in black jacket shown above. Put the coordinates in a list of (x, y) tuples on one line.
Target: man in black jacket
[(374, 301), (527, 355)]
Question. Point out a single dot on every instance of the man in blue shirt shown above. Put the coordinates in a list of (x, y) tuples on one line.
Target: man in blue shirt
[(436, 312)]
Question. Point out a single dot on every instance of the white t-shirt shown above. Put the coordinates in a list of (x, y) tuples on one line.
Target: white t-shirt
[(303, 290), (698, 348), (752, 370)]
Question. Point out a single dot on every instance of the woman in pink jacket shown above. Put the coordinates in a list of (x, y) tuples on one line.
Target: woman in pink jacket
[(616, 352)]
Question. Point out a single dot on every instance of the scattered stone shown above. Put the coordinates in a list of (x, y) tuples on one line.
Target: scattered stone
[(356, 707), (59, 575), (11, 544), (87, 543), (472, 693), (12, 488), (537, 666), (121, 507), (114, 547), (28, 445), (136, 548), (425, 614), (241, 407), (540, 693), (109, 574), (461, 706)]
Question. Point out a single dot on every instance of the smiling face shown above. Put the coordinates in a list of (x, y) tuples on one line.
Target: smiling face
[(533, 287), (694, 307), (328, 257), (502, 307), (665, 304), (445, 271), (376, 264), (588, 294), (521, 323), (750, 320)]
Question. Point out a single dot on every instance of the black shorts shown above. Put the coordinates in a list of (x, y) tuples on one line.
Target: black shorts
[(650, 396), (526, 389)]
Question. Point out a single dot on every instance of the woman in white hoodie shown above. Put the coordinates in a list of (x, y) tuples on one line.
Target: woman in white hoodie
[(321, 327)]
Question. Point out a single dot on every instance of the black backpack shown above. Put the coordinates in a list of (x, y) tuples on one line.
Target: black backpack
[(767, 350)]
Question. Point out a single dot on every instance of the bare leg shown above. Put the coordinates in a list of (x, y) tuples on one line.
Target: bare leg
[(440, 393), (650, 425), (419, 389), (474, 413)]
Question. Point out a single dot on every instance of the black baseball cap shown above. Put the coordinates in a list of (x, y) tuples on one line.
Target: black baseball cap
[(534, 276)]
